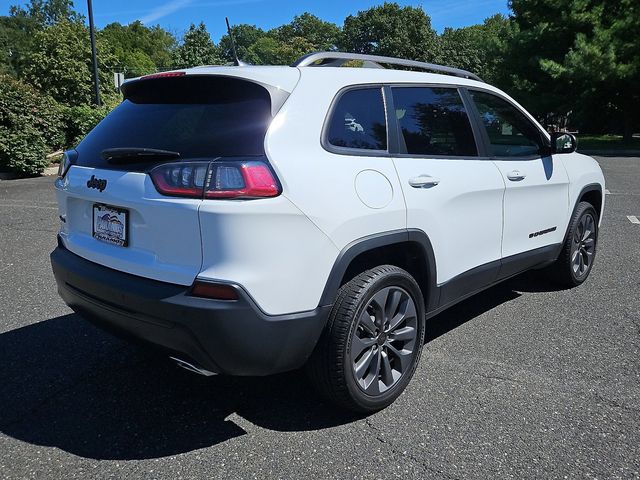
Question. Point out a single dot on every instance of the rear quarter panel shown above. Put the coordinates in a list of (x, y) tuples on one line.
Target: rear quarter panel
[(270, 248), (322, 183)]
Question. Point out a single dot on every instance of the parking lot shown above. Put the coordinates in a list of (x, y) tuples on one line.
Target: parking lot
[(521, 381)]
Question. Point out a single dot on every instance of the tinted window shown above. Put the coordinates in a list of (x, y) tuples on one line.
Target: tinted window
[(511, 133), (197, 116), (358, 120), (433, 121)]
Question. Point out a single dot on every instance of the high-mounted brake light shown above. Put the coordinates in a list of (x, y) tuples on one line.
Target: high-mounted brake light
[(162, 75), (222, 180)]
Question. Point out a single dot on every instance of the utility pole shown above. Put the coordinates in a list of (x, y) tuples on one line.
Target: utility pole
[(94, 58)]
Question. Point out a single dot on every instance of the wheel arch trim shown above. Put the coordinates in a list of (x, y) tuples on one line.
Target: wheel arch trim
[(371, 242), (592, 187)]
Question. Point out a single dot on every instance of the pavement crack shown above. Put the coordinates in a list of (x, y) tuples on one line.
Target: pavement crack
[(398, 453), (635, 320), (376, 430), (616, 404), (496, 377)]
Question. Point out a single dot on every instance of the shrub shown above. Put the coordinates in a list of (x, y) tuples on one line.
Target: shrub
[(31, 126), (81, 119)]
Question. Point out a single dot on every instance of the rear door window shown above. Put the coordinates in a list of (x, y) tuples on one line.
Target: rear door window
[(197, 116), (433, 121), (358, 120)]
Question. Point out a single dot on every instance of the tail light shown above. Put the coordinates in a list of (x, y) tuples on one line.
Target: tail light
[(228, 180)]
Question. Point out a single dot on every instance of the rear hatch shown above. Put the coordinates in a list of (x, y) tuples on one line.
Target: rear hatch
[(110, 209)]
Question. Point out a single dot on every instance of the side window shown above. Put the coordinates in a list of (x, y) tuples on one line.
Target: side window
[(358, 120), (511, 133), (433, 121)]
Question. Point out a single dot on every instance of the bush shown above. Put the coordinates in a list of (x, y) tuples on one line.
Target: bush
[(80, 120), (31, 126)]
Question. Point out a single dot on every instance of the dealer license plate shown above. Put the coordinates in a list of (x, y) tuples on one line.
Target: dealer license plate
[(110, 225)]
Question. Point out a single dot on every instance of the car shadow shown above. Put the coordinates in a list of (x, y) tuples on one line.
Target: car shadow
[(66, 384), (467, 310), (528, 282)]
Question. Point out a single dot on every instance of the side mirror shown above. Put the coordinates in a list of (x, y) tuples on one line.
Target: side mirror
[(562, 142)]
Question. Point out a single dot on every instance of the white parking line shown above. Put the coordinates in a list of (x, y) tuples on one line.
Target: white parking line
[(606, 191), (633, 219)]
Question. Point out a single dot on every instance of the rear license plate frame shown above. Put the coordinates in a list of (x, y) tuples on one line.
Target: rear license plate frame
[(111, 233)]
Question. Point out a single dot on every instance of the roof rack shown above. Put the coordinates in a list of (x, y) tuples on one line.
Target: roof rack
[(337, 59)]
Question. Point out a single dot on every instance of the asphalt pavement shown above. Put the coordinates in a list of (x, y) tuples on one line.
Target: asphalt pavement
[(521, 381)]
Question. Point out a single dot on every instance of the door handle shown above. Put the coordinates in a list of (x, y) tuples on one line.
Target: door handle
[(516, 175), (423, 181)]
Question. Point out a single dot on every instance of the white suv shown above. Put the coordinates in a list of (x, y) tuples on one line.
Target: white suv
[(253, 220)]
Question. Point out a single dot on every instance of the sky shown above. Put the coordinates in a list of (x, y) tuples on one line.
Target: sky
[(176, 15)]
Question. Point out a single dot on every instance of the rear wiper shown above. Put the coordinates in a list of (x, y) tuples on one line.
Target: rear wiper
[(136, 155)]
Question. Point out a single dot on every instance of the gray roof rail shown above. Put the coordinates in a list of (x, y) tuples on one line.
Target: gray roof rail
[(337, 59)]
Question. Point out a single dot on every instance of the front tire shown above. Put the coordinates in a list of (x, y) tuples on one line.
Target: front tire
[(579, 249), (371, 345)]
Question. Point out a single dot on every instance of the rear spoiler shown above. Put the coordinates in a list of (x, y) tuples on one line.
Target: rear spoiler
[(171, 82)]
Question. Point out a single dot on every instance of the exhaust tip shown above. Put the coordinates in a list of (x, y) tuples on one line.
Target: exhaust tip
[(192, 368)]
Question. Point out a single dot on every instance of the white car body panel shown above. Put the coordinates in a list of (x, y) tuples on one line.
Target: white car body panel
[(321, 183), (534, 204), (582, 171), (270, 248), (462, 214), (165, 240)]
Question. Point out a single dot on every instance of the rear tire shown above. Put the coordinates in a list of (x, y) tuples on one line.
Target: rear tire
[(579, 249), (371, 345)]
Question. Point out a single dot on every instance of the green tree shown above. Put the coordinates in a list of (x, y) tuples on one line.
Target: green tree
[(391, 30), (461, 48), (134, 63), (48, 12), (578, 57), (481, 49), (603, 63), (15, 42), (196, 48), (317, 33), (17, 29), (59, 64), (282, 45), (269, 51), (139, 49), (545, 31), (498, 33)]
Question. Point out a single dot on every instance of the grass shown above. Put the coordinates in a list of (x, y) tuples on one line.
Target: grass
[(607, 142)]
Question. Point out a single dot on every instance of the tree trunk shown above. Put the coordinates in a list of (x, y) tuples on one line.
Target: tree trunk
[(628, 131), (628, 124)]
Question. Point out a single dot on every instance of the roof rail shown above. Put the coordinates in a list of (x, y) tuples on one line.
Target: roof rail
[(337, 59)]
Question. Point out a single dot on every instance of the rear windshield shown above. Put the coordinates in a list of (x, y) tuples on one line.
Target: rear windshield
[(196, 116)]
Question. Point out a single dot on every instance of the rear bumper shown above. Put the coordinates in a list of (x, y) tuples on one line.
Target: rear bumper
[(230, 337)]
